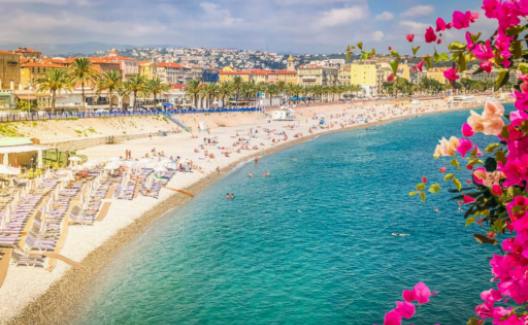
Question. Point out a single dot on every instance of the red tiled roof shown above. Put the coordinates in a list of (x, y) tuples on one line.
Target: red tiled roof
[(178, 86), (170, 65), (260, 72), (41, 65)]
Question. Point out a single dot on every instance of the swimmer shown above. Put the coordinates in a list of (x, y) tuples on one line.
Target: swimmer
[(250, 175), (266, 174), (399, 234)]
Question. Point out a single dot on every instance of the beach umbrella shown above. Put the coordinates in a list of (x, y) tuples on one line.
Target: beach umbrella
[(8, 170)]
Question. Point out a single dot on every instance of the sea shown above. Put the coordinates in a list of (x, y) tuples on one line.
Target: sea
[(312, 243)]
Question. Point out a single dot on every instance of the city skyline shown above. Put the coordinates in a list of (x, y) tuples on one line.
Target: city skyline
[(291, 26)]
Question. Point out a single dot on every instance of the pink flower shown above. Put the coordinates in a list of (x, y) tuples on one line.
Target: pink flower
[(443, 170), (468, 199), (419, 66), (390, 78), (464, 146), (486, 66), (496, 190), (430, 35), (405, 309), (461, 20), (393, 317), (490, 296), (422, 293), (424, 180), (490, 8), (451, 74), (484, 51), (409, 295), (410, 38), (467, 131), (469, 41), (490, 122), (441, 25), (446, 148)]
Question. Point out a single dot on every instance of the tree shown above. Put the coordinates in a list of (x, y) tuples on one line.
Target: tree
[(53, 81), (237, 87), (81, 71), (156, 87), (112, 82), (135, 85), (192, 88), (225, 89), (271, 90)]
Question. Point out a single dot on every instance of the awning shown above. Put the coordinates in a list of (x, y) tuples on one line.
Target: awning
[(21, 149)]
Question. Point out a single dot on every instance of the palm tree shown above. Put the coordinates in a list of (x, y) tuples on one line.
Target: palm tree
[(112, 82), (156, 87), (81, 71), (53, 81), (135, 85), (212, 93), (225, 89), (272, 90), (192, 88), (237, 88)]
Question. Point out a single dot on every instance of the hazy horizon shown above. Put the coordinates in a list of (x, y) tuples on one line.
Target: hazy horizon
[(283, 26)]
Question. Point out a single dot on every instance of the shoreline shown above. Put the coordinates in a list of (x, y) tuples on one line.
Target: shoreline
[(73, 284)]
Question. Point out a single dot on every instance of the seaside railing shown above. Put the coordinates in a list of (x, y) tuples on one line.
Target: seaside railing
[(44, 116)]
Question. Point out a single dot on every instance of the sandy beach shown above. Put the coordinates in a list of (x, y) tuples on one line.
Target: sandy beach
[(34, 295)]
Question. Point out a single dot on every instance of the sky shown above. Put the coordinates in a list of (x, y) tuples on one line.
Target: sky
[(284, 26)]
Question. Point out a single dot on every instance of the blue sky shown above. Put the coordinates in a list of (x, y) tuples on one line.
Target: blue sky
[(298, 26)]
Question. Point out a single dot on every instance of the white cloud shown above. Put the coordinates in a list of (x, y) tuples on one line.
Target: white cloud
[(418, 11), (385, 16), (413, 26), (341, 16), (377, 36), (218, 14)]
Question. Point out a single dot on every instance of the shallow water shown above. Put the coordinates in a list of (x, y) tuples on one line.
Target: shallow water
[(311, 244)]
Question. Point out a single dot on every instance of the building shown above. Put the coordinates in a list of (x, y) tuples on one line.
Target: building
[(147, 69), (317, 75), (228, 74), (174, 73), (9, 70), (28, 53), (372, 74), (436, 73), (31, 72), (104, 66), (344, 76), (128, 66)]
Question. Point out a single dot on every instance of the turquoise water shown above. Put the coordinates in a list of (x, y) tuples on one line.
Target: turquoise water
[(311, 244)]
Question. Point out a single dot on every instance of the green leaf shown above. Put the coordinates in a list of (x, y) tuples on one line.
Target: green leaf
[(516, 49), (413, 193), (473, 321), (523, 66), (455, 163), (395, 54), (423, 196), (360, 45), (428, 62), (470, 220), (448, 177), (502, 78), (475, 37), (420, 186), (456, 46), (457, 184), (491, 147), (394, 66), (415, 50), (434, 188), (461, 63)]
